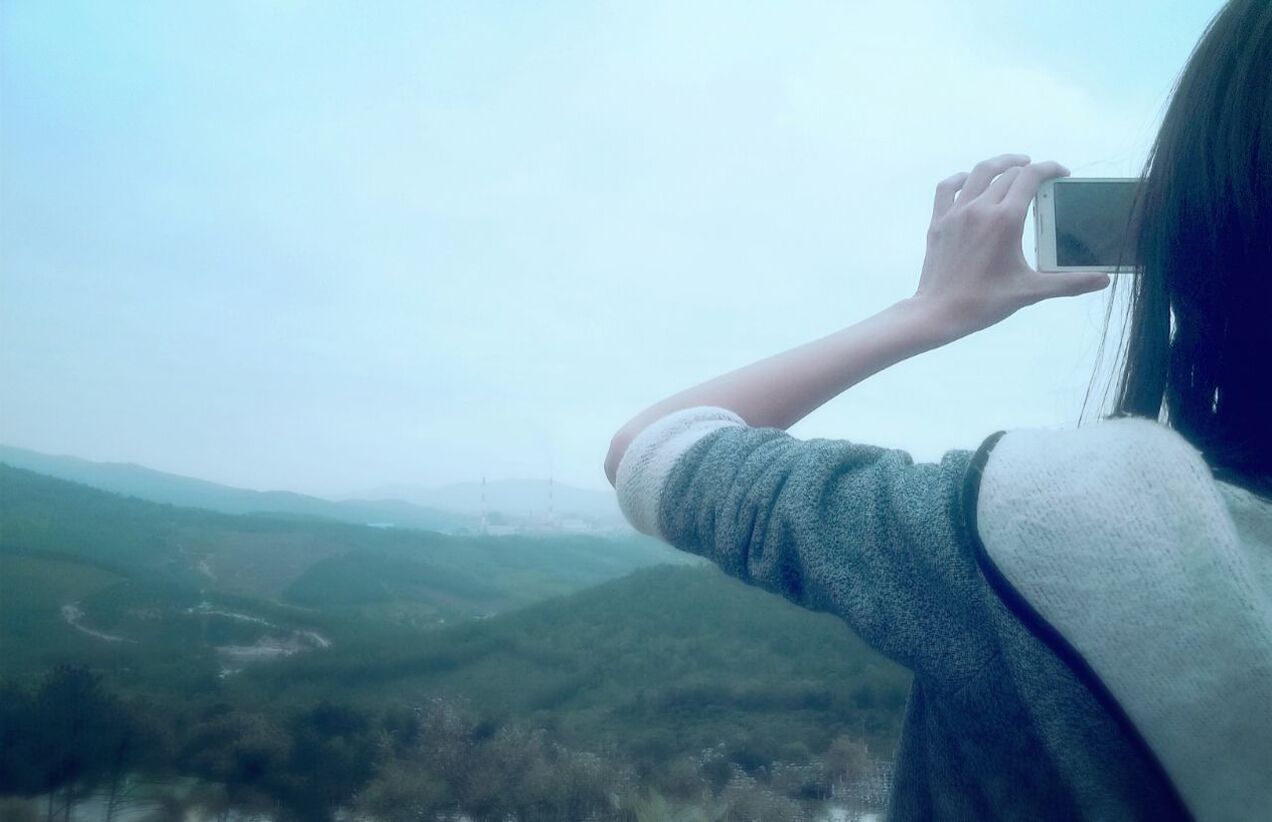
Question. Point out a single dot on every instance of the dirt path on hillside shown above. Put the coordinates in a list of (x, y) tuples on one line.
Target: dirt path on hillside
[(74, 617)]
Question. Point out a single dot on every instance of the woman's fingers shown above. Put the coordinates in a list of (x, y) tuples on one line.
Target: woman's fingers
[(1001, 185), (985, 171), (1025, 187), (993, 178), (945, 191)]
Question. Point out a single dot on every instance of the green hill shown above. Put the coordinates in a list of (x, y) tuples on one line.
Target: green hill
[(33, 634), (662, 662), (158, 486), (340, 578), (399, 575)]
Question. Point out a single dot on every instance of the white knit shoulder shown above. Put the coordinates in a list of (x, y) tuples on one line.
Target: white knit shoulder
[(1121, 540)]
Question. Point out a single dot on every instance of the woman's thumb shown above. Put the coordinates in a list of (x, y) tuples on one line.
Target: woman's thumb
[(1073, 283)]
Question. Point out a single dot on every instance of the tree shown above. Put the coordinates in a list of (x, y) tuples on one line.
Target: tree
[(847, 760), (128, 742), (20, 774), (80, 736), (246, 753), (332, 756)]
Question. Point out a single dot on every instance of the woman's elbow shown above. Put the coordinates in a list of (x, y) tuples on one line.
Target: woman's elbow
[(618, 446)]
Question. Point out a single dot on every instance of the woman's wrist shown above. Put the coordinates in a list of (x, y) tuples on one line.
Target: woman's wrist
[(934, 323)]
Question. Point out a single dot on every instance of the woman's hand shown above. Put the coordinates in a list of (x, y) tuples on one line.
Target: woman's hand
[(975, 274)]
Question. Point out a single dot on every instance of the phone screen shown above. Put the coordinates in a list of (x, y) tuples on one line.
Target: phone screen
[(1093, 223)]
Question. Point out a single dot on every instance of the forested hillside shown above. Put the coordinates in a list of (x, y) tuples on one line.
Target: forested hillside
[(266, 555), (663, 662), (348, 666)]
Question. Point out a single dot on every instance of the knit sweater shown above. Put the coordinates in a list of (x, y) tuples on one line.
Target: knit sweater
[(1087, 613)]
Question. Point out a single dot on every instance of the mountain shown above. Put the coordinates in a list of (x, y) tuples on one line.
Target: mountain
[(157, 486), (525, 499), (407, 575)]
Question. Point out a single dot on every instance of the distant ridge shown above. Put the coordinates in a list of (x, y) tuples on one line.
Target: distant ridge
[(157, 486), (520, 498)]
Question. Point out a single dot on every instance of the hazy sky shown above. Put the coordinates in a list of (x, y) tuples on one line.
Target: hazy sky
[(329, 246)]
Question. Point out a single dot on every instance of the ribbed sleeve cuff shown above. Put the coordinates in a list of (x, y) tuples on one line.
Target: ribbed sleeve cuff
[(647, 462)]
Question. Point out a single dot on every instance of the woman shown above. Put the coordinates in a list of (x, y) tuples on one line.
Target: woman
[(1087, 613)]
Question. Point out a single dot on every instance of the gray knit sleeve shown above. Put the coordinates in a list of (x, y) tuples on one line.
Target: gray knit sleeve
[(860, 531)]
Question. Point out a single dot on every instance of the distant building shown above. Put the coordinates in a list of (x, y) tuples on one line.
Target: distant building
[(543, 523)]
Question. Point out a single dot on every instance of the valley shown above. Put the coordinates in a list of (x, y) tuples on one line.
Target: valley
[(237, 631)]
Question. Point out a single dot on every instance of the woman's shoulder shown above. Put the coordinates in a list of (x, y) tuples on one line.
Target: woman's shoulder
[(1119, 457), (1121, 436), (1128, 482), (1118, 539)]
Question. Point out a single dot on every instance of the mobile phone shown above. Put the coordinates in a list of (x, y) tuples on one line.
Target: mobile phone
[(1086, 224)]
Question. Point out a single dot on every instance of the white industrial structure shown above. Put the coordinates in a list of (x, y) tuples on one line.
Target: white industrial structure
[(551, 523)]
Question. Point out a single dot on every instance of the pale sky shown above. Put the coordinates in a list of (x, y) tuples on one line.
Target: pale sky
[(325, 247)]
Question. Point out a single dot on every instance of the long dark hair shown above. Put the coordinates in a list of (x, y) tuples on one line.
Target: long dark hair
[(1199, 317)]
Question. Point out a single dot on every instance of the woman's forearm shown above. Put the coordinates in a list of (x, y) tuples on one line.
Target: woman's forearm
[(782, 389), (974, 275)]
